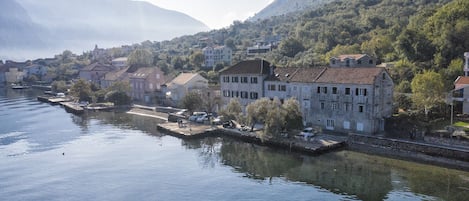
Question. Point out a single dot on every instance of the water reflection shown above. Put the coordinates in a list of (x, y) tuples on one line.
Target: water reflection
[(359, 175)]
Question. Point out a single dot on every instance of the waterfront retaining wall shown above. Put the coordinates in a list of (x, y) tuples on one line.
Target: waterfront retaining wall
[(434, 154)]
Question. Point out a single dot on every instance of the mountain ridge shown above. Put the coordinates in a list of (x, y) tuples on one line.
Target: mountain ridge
[(57, 25)]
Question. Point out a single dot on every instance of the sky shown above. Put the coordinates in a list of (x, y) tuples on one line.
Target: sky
[(215, 14)]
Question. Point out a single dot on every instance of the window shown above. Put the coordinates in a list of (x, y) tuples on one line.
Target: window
[(237, 94), (253, 79), (244, 94), (282, 88), (226, 93), (235, 79), (384, 76), (330, 123), (319, 90), (348, 107), (347, 91), (359, 61), (335, 106), (322, 106), (324, 90), (253, 95), (244, 79), (360, 91), (371, 61), (334, 90), (271, 87), (360, 108), (226, 79), (346, 125)]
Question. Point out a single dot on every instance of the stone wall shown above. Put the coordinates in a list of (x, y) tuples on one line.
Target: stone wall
[(434, 154)]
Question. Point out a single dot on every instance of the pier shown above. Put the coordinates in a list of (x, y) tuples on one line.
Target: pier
[(316, 145), (73, 107)]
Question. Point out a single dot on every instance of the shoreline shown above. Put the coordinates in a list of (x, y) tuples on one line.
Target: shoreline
[(386, 147)]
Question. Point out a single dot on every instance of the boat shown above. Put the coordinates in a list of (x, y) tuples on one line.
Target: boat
[(15, 86)]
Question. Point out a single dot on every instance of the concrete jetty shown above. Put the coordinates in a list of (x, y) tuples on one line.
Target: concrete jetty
[(187, 129), (73, 107), (318, 144)]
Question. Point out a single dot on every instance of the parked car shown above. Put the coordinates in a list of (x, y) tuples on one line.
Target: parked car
[(218, 120), (203, 118), (307, 133), (196, 115)]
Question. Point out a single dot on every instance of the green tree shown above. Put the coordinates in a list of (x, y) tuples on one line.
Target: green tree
[(274, 120), (82, 91), (192, 101), (140, 58), (293, 116), (197, 58), (59, 86), (428, 90), (233, 110), (290, 47), (119, 98), (118, 93), (257, 111)]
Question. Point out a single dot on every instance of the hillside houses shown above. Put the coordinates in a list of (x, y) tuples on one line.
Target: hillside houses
[(217, 55), (339, 98), (145, 84)]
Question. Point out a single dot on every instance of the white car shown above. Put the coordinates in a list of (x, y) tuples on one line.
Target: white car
[(196, 115), (203, 118), (307, 133)]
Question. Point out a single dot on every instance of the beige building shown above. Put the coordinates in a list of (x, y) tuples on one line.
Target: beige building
[(184, 83)]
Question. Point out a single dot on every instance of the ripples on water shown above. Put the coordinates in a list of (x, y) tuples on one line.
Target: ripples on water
[(48, 154)]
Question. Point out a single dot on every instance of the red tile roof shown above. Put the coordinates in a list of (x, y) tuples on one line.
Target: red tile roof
[(365, 75), (462, 80)]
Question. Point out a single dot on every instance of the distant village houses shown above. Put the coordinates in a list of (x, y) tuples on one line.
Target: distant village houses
[(217, 55), (340, 98)]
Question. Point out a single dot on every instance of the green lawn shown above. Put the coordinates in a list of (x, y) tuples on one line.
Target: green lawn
[(461, 124)]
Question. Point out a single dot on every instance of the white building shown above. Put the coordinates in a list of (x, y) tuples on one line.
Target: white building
[(217, 55), (120, 62), (244, 81)]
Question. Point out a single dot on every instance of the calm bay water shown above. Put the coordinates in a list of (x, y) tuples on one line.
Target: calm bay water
[(48, 154)]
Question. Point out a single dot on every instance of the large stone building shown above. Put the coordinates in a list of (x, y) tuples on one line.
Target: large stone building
[(341, 99)]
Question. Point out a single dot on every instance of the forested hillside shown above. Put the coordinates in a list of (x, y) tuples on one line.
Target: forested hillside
[(413, 34)]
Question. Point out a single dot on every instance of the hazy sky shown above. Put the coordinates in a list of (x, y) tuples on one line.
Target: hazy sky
[(215, 13)]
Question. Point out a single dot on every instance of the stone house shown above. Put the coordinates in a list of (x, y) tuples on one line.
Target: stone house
[(340, 99), (145, 84), (184, 83), (95, 72), (111, 77), (353, 60), (244, 81)]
